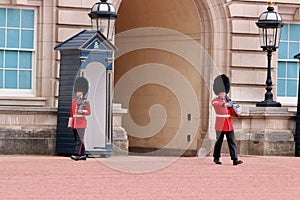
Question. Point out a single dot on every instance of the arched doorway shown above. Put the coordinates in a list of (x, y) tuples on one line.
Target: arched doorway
[(159, 79)]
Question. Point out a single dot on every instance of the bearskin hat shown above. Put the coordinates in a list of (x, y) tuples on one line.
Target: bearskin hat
[(81, 85), (221, 84)]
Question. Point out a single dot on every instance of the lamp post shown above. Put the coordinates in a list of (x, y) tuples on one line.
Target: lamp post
[(269, 24), (297, 134), (103, 16)]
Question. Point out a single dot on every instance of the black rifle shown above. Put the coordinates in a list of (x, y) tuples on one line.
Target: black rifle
[(232, 105)]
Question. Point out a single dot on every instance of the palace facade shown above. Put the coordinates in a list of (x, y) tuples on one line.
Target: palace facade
[(169, 53)]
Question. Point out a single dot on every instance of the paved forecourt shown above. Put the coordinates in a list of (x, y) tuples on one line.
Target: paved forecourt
[(40, 177)]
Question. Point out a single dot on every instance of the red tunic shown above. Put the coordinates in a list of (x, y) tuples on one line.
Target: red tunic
[(223, 120), (79, 120)]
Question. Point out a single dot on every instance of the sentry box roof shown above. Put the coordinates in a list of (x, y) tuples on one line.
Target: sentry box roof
[(91, 40)]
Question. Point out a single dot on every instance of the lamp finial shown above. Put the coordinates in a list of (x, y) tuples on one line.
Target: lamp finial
[(271, 3)]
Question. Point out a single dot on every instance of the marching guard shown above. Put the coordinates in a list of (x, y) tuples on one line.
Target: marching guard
[(224, 109)]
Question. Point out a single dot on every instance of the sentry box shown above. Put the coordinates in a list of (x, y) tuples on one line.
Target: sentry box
[(88, 54)]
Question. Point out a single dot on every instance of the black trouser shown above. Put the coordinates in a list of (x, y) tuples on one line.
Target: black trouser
[(79, 141), (231, 144)]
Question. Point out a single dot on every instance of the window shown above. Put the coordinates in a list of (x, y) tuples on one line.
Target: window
[(288, 67), (16, 49)]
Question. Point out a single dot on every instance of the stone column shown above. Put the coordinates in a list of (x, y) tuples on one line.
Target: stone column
[(120, 138)]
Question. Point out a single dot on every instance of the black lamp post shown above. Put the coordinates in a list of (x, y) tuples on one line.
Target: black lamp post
[(297, 134), (103, 16), (269, 24)]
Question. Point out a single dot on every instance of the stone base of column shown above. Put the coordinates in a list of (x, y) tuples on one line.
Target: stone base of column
[(120, 141), (120, 138)]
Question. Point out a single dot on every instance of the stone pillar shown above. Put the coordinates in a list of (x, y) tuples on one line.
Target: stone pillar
[(120, 138), (265, 131)]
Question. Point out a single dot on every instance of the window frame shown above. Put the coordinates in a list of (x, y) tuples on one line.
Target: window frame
[(284, 100), (24, 92)]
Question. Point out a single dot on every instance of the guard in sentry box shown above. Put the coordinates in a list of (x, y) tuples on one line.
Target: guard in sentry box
[(80, 108), (224, 109)]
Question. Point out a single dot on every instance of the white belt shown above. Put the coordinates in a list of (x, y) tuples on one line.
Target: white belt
[(78, 115), (224, 116)]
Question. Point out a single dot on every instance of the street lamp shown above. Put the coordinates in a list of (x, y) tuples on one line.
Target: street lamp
[(269, 24), (103, 16), (297, 134)]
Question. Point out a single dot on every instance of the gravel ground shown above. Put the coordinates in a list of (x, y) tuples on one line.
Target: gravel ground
[(42, 177)]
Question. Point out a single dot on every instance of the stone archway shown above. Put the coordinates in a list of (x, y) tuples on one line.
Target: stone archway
[(173, 24)]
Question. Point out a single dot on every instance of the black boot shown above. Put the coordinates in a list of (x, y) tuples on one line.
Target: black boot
[(237, 162), (74, 157), (82, 158), (217, 161)]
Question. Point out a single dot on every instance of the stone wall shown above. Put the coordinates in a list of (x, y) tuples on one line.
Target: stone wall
[(27, 141), (265, 131), (27, 130)]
